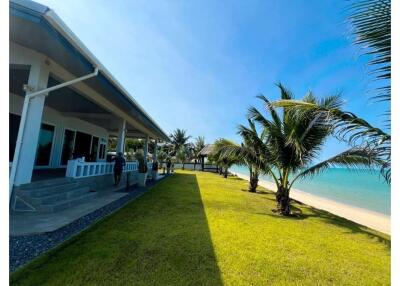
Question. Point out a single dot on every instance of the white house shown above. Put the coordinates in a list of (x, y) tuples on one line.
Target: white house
[(64, 105)]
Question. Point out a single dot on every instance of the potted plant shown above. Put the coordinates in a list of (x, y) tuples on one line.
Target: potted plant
[(142, 176), (154, 171)]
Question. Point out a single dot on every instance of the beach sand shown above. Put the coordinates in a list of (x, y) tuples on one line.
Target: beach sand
[(371, 219)]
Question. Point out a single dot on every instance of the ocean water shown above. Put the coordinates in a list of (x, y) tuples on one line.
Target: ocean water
[(361, 188)]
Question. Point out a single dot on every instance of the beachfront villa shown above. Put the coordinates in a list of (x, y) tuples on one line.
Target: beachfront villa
[(259, 211), (64, 106)]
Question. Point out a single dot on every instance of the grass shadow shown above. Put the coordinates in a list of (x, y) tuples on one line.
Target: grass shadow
[(303, 212)]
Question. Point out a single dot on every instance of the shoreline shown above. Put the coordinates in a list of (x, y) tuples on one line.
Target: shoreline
[(371, 219)]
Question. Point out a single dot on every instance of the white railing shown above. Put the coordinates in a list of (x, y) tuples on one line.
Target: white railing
[(80, 169)]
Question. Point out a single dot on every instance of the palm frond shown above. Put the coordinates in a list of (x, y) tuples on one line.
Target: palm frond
[(371, 21), (353, 129), (352, 158)]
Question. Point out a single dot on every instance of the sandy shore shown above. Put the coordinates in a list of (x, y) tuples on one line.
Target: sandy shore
[(371, 219)]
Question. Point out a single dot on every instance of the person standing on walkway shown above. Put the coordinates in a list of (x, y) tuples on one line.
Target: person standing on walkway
[(118, 167)]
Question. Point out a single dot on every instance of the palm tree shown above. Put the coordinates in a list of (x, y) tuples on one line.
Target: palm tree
[(248, 153), (199, 143), (217, 156), (162, 157), (355, 130), (293, 140), (179, 139), (181, 155)]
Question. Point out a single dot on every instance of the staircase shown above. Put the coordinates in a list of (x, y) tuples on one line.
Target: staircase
[(51, 196)]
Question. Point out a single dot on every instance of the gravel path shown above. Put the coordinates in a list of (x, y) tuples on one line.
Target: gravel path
[(24, 248)]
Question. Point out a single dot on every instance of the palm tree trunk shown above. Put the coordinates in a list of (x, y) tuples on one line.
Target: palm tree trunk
[(253, 183), (283, 200)]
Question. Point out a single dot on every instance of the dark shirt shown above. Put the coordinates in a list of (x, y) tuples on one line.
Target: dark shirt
[(119, 163)]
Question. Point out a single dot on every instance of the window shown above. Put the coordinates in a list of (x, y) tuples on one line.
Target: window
[(68, 146), (95, 148), (12, 140), (45, 143)]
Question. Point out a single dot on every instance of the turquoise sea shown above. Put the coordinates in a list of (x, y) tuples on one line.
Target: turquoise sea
[(361, 188)]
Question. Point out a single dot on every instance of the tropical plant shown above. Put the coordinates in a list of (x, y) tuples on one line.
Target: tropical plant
[(293, 140), (220, 158), (371, 20), (112, 144), (179, 139), (139, 155), (248, 153), (181, 155), (352, 129), (134, 144), (130, 155), (162, 156), (199, 144)]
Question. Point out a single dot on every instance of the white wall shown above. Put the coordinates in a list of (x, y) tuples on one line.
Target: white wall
[(53, 117), (188, 166)]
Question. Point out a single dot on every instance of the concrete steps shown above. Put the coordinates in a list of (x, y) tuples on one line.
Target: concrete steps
[(50, 190), (60, 196), (45, 183), (67, 203), (53, 195)]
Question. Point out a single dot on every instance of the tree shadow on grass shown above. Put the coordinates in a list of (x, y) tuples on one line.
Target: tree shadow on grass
[(162, 238), (328, 218)]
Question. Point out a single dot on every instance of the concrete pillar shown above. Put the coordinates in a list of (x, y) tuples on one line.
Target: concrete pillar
[(121, 137), (28, 140), (155, 151), (146, 148)]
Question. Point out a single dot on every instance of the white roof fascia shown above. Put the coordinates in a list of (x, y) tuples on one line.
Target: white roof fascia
[(62, 28)]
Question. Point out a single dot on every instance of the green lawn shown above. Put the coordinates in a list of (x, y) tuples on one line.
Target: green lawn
[(201, 229)]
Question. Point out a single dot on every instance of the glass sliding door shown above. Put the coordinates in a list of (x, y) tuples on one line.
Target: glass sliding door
[(94, 149), (45, 144), (82, 145), (79, 144), (68, 146)]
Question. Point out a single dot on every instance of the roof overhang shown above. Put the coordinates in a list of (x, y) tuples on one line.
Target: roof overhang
[(37, 27)]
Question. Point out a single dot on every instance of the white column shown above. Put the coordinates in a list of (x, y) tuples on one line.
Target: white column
[(121, 137), (146, 148), (28, 138), (155, 151)]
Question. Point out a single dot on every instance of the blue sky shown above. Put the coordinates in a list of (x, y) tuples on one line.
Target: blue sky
[(198, 65)]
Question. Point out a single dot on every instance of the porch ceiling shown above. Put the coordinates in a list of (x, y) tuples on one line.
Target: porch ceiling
[(29, 28), (71, 103), (68, 100)]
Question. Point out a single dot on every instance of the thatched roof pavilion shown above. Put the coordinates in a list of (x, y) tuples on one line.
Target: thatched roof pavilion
[(208, 148)]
